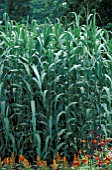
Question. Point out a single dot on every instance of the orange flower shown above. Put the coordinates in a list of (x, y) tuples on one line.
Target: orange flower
[(0, 161), (107, 140), (6, 161), (84, 160), (65, 161), (38, 161), (54, 164), (108, 158), (21, 158), (102, 143), (77, 163), (10, 161), (80, 151), (108, 162), (97, 158), (58, 156), (101, 169), (109, 149), (88, 156), (100, 162), (75, 158), (94, 141), (12, 157), (83, 141)]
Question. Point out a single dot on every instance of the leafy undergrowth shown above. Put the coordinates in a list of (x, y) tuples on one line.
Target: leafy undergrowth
[(100, 159)]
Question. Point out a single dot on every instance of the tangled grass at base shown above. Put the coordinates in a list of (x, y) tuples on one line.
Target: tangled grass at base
[(101, 160), (55, 87)]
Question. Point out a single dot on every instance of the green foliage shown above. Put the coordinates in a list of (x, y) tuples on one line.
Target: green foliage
[(1, 10), (39, 10), (36, 9), (102, 7), (47, 8), (16, 9), (55, 85)]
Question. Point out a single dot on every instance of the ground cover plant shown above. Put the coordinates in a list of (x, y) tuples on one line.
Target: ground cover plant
[(55, 89)]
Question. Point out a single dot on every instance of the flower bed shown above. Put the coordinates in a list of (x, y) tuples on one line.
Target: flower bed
[(101, 159)]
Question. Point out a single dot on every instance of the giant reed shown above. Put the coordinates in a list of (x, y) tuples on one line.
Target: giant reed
[(55, 86)]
